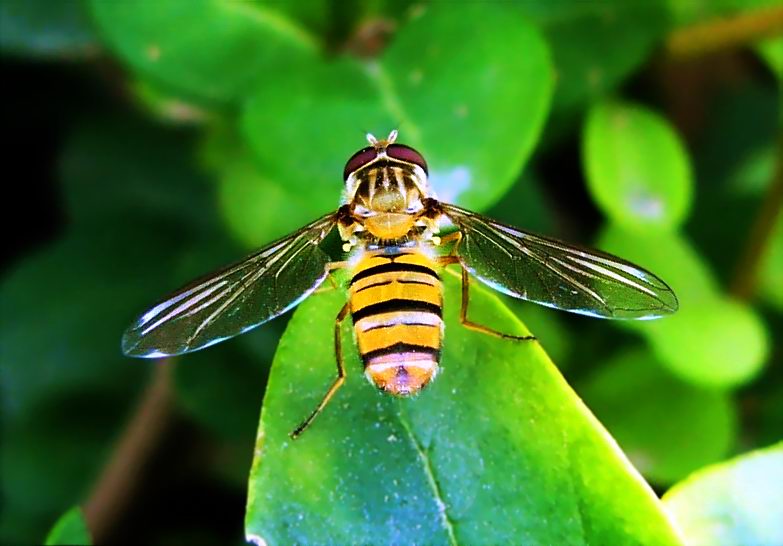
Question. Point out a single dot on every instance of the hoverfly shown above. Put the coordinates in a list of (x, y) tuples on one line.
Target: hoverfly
[(390, 222)]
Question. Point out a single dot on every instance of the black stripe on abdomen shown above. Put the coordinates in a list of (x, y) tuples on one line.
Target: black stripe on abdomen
[(393, 267), (392, 305)]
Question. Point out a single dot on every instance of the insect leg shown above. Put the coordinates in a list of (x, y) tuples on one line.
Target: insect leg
[(330, 267), (339, 380), (463, 312)]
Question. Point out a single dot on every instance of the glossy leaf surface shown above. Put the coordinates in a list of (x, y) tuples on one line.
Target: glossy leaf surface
[(498, 449), (736, 502)]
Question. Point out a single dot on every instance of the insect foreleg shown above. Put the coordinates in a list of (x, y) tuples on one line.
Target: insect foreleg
[(339, 380)]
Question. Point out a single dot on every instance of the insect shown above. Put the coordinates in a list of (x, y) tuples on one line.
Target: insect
[(391, 224)]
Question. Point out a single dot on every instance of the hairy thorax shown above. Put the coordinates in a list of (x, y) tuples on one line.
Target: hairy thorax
[(388, 199)]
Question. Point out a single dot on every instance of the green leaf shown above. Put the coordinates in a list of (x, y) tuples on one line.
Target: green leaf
[(736, 502), (491, 86), (70, 529), (711, 341), (205, 49), (667, 427), (498, 449), (637, 169), (40, 28)]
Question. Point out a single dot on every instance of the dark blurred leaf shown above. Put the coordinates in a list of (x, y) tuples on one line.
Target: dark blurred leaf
[(119, 166), (734, 164), (204, 49), (222, 387), (66, 388), (69, 529), (595, 45), (497, 450), (668, 428), (736, 502), (474, 107), (712, 341), (637, 169), (41, 28)]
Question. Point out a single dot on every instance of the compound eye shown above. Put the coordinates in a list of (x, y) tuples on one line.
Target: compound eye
[(406, 153), (359, 160)]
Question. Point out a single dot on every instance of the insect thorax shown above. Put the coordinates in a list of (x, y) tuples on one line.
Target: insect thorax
[(386, 198)]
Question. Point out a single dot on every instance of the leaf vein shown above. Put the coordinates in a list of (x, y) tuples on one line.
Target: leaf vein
[(442, 509)]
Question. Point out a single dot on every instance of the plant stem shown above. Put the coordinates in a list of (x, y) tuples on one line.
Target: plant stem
[(747, 271), (724, 33), (118, 480)]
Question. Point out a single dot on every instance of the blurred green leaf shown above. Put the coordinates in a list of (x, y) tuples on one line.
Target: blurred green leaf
[(772, 52), (736, 502), (584, 38), (498, 449), (667, 427), (204, 49), (771, 268), (69, 529), (711, 341), (491, 87), (637, 169), (40, 28)]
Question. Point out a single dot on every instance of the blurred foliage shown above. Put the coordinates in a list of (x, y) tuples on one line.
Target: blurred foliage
[(727, 503), (227, 124), (69, 529)]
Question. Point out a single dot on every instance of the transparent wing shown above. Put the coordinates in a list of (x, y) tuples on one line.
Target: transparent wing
[(555, 274), (235, 299)]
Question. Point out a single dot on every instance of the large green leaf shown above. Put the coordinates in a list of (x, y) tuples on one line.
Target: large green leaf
[(498, 450), (474, 107), (637, 169), (736, 502), (70, 529), (205, 49)]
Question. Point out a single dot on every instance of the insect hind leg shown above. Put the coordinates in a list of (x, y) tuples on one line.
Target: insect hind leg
[(339, 380), (463, 312)]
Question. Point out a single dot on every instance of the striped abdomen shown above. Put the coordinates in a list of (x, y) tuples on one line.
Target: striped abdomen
[(396, 302)]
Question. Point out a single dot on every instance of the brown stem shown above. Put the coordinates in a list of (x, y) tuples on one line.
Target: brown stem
[(747, 271), (118, 480), (724, 33)]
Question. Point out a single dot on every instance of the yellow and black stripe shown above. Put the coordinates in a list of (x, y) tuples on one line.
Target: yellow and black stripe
[(396, 304)]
